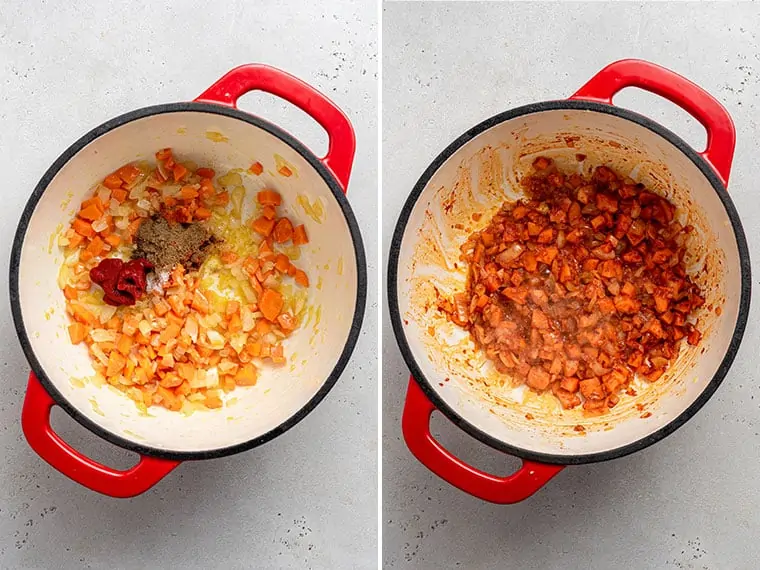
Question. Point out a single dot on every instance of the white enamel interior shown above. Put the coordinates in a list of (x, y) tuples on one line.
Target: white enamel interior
[(487, 169), (329, 259)]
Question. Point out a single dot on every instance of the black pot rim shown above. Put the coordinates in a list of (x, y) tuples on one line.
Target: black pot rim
[(307, 155), (675, 423)]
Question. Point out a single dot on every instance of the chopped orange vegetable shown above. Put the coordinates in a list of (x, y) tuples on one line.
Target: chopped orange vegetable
[(263, 226), (70, 293), (81, 314), (269, 212), (129, 173), (95, 247), (112, 181), (114, 323), (116, 363), (282, 263), (287, 322), (171, 331), (277, 354), (246, 375), (299, 235), (82, 227), (77, 332), (90, 213), (283, 231), (169, 399), (223, 198), (301, 278), (256, 168), (200, 303), (76, 240), (119, 194), (262, 327), (270, 304), (205, 172), (232, 308), (161, 308), (164, 153), (269, 198), (202, 214), (228, 257), (125, 344), (113, 240), (179, 172), (213, 401), (187, 193), (285, 171), (235, 324)]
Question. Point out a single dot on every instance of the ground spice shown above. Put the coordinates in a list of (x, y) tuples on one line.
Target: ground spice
[(167, 244)]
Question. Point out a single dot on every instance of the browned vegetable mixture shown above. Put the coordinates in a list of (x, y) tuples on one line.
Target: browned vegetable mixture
[(580, 286)]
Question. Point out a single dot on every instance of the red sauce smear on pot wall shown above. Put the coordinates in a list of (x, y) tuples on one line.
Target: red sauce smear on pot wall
[(123, 283)]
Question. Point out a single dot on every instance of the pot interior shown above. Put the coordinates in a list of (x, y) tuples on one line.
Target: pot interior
[(313, 350), (479, 177)]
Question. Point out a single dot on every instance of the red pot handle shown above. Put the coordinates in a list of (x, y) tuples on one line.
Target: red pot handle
[(35, 421), (251, 77), (520, 485), (721, 134)]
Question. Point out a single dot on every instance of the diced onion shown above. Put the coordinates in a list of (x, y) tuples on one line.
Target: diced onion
[(100, 225), (215, 339)]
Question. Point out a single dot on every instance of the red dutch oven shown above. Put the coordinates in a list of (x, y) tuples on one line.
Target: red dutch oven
[(209, 131), (480, 170)]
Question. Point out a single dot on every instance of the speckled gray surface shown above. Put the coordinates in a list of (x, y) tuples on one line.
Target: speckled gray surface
[(305, 500), (692, 500)]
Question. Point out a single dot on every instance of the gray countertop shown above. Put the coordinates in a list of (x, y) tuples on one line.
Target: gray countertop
[(688, 502), (307, 499)]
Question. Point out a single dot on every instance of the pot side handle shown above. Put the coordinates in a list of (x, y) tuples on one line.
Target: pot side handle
[(721, 134), (35, 421), (251, 77), (415, 425)]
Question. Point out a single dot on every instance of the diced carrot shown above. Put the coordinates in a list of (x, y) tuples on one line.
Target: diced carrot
[(170, 201), (299, 235), (82, 227), (206, 172), (179, 172), (185, 370), (76, 240), (292, 270), (169, 163), (125, 344), (187, 193), (90, 213), (172, 318), (163, 154), (223, 198), (269, 198), (161, 308), (171, 331), (95, 247), (265, 248), (85, 256), (301, 278), (246, 375), (277, 354), (119, 194), (228, 257), (169, 399), (232, 308), (129, 369), (114, 323), (269, 212), (285, 171), (128, 173), (263, 226), (171, 380), (112, 181), (253, 348), (235, 324), (270, 304), (256, 168), (175, 302), (94, 201), (70, 293), (213, 401), (283, 231), (113, 240), (287, 322), (77, 332), (116, 363), (183, 389), (262, 327), (202, 214), (282, 263), (81, 314)]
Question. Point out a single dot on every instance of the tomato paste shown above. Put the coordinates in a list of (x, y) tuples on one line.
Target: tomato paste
[(122, 283)]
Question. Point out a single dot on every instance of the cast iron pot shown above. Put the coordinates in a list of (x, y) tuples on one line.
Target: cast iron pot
[(210, 131), (480, 170)]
